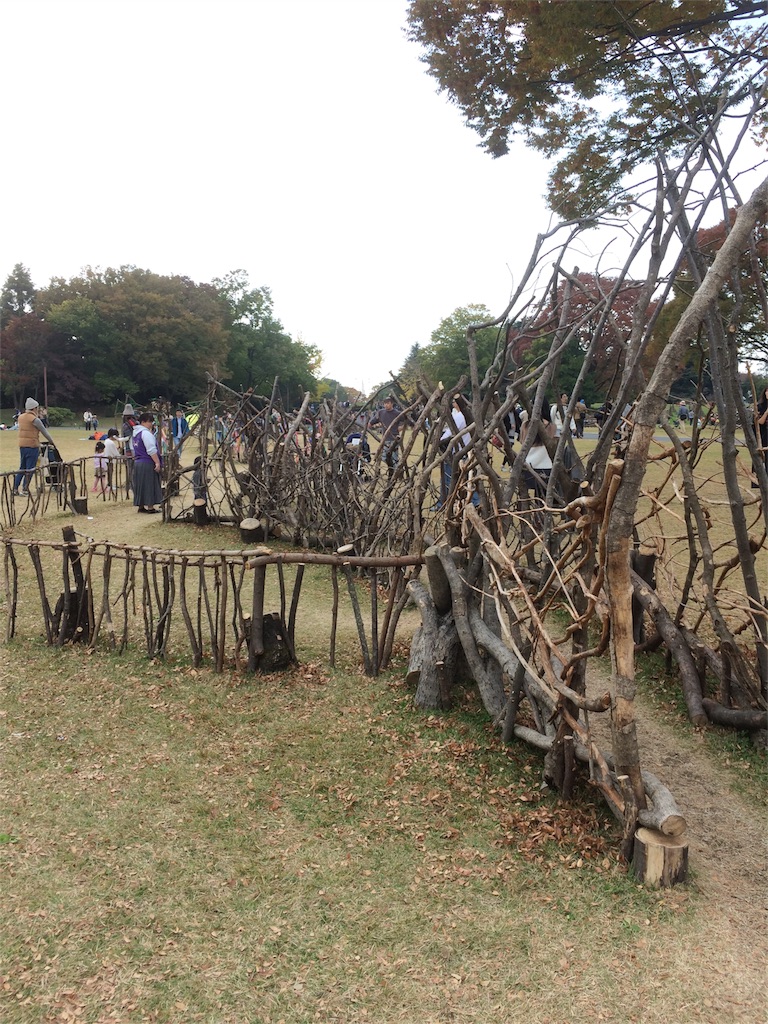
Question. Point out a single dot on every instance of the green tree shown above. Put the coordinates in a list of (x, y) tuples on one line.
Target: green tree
[(24, 345), (25, 350), (411, 371), (18, 295), (601, 85), (139, 332), (260, 350), (446, 358), (327, 387)]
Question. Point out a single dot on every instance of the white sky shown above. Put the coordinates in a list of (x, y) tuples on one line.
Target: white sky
[(301, 140)]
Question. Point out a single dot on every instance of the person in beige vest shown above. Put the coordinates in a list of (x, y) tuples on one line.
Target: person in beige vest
[(30, 429)]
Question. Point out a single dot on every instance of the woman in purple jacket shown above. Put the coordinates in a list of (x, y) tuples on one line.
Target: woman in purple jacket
[(146, 466)]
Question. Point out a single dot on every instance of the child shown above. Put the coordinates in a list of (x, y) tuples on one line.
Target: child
[(198, 479), (99, 469)]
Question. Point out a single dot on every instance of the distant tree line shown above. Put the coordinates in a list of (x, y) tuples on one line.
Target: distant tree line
[(111, 333)]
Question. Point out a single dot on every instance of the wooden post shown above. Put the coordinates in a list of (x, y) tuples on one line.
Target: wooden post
[(251, 531), (200, 515), (658, 859), (256, 645), (334, 615)]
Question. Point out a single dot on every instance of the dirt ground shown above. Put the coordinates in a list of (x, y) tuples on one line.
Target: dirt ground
[(728, 842)]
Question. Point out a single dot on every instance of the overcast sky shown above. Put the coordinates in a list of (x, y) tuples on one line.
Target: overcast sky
[(300, 140)]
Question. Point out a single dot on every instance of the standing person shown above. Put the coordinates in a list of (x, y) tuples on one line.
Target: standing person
[(385, 418), (146, 466), (683, 413), (580, 416), (538, 463), (111, 452), (30, 428), (130, 422), (99, 469), (761, 425), (602, 415), (180, 430), (87, 420), (457, 422), (557, 415)]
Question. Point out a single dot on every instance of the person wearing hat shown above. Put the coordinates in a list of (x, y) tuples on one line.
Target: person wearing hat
[(30, 429), (130, 422)]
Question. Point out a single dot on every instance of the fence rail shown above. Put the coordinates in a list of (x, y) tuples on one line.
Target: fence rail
[(60, 486), (101, 593)]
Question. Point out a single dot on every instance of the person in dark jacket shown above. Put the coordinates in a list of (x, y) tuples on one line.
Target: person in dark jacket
[(180, 430), (761, 424)]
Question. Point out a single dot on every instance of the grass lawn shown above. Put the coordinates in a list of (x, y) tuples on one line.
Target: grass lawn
[(182, 846), (179, 846)]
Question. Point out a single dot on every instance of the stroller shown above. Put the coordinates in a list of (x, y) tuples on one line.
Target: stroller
[(51, 463), (359, 451)]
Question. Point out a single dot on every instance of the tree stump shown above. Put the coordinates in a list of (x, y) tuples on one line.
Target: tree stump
[(658, 859), (251, 531), (277, 652), (432, 667), (70, 618), (80, 506), (200, 515)]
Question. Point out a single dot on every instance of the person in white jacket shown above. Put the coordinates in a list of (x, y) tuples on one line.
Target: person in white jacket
[(557, 416)]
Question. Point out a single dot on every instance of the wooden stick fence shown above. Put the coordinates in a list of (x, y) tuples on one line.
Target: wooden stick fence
[(61, 486), (223, 619)]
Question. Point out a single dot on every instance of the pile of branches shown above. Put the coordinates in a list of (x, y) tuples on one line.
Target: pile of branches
[(531, 581), (529, 586), (298, 472)]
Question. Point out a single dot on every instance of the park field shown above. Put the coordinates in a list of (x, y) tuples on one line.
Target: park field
[(182, 846), (178, 845)]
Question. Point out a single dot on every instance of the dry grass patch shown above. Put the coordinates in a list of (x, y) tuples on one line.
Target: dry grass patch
[(181, 846)]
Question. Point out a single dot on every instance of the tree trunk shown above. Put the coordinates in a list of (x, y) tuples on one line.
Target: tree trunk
[(434, 652), (200, 515), (251, 531), (658, 859)]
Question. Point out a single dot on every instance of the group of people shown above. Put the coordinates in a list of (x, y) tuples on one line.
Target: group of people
[(138, 442), (557, 414), (141, 441)]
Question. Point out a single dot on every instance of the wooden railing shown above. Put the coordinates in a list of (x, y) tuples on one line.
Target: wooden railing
[(104, 594)]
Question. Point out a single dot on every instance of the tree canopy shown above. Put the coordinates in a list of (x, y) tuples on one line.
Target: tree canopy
[(445, 357), (18, 294), (108, 333), (601, 86), (260, 349)]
